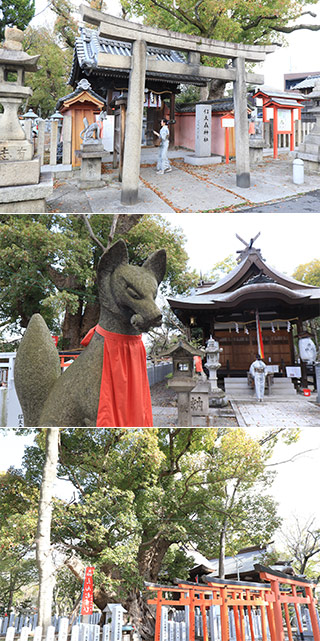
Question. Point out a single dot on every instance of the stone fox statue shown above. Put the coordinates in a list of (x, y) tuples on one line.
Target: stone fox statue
[(107, 384)]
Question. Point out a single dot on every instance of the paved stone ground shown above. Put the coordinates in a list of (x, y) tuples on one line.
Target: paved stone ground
[(294, 413), (211, 188), (308, 203)]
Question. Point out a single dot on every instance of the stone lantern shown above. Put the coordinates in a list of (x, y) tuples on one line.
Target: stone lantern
[(183, 379), (309, 150), (22, 189), (212, 363)]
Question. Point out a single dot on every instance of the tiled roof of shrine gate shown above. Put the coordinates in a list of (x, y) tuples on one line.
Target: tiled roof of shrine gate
[(89, 44)]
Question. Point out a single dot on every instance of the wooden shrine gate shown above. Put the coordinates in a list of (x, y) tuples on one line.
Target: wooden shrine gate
[(235, 610)]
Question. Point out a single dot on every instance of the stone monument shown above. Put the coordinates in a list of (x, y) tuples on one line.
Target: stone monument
[(91, 152), (23, 189), (109, 377), (217, 395), (202, 154), (309, 150)]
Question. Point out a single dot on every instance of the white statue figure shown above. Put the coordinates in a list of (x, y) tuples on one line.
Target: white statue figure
[(258, 371), (307, 350), (87, 134)]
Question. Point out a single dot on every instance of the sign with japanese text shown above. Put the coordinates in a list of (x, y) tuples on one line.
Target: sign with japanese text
[(284, 120), (87, 594), (203, 130)]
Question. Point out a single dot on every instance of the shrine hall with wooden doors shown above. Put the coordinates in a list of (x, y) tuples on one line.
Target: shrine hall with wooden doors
[(252, 297)]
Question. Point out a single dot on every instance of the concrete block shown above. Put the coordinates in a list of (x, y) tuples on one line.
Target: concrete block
[(19, 172)]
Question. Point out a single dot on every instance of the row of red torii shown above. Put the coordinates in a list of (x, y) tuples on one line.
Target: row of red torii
[(194, 46)]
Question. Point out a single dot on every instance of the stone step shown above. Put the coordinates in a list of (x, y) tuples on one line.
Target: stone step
[(238, 389)]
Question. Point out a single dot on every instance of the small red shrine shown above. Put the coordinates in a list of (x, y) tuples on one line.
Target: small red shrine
[(280, 105)]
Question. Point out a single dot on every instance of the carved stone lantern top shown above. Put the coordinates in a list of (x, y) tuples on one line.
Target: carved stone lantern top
[(182, 354)]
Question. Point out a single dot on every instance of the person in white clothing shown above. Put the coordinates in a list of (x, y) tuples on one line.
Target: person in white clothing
[(163, 164), (258, 371)]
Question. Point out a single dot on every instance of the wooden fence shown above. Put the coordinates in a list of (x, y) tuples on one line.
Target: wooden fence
[(302, 129), (49, 135)]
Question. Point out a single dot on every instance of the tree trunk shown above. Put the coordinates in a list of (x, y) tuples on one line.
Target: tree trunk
[(43, 548), (222, 551), (216, 89), (141, 614), (90, 317), (71, 328), (150, 557), (204, 92)]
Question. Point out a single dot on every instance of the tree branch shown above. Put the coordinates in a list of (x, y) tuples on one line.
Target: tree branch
[(310, 27), (112, 228), (90, 230)]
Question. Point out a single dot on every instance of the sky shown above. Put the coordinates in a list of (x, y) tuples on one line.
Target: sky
[(295, 487), (301, 54), (286, 240)]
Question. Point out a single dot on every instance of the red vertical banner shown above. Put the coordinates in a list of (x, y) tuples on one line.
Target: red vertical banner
[(259, 336), (87, 593)]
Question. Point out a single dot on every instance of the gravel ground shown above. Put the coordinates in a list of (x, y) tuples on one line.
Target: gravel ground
[(163, 396)]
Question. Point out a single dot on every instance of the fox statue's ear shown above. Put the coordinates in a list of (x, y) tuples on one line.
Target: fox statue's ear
[(116, 255), (156, 263)]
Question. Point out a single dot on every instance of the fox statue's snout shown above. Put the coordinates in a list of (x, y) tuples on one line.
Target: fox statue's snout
[(131, 290)]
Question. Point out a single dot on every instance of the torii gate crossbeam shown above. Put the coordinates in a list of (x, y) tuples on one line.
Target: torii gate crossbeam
[(138, 63)]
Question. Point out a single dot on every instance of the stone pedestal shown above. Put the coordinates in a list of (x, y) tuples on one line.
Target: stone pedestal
[(309, 150), (183, 388), (199, 403), (26, 199), (91, 158), (192, 159), (22, 187), (255, 151)]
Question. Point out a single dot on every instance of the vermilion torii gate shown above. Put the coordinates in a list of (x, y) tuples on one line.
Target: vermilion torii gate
[(138, 63)]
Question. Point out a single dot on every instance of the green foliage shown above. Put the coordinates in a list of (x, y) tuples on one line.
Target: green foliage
[(50, 82), (143, 493), (18, 508), (246, 21), (15, 13), (32, 247), (221, 268), (48, 263), (66, 27), (189, 94), (308, 273)]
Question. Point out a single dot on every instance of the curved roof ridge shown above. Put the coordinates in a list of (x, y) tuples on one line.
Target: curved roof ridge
[(230, 279)]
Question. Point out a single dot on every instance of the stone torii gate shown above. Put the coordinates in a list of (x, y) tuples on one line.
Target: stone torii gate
[(139, 62)]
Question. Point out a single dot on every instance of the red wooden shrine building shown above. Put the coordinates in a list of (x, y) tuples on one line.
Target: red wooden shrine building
[(228, 310)]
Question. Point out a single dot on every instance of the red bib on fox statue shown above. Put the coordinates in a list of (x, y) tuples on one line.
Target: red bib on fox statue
[(124, 392)]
